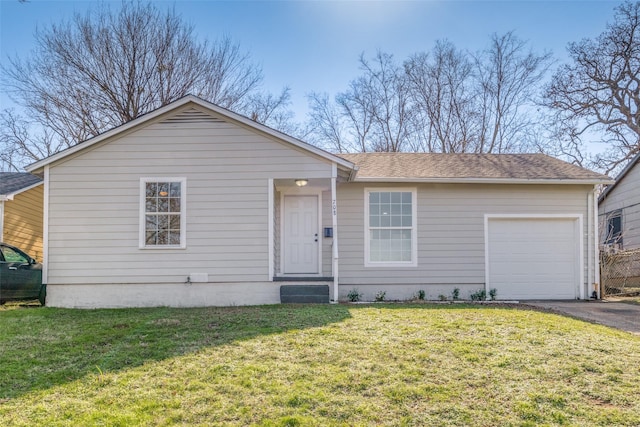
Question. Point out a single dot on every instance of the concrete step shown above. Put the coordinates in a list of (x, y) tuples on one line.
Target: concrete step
[(304, 294)]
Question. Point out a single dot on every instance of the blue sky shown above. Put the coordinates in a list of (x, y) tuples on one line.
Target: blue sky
[(315, 45)]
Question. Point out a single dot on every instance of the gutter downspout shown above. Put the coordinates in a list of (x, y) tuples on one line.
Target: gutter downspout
[(45, 228), (596, 245), (334, 224), (590, 268)]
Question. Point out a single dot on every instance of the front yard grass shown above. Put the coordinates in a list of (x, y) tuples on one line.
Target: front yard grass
[(381, 364)]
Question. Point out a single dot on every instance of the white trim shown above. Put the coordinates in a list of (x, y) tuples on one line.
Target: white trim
[(183, 213), (414, 228), (45, 226), (387, 180), (300, 191), (1, 220), (596, 251), (226, 114), (334, 225), (270, 228), (578, 218), (590, 221)]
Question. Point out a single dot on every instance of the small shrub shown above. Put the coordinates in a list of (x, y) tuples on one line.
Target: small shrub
[(492, 294), (442, 297), (421, 294), (480, 295), (354, 295), (455, 294), (380, 296)]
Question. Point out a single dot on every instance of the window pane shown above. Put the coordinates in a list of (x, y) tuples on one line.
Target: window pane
[(151, 222), (396, 209), (396, 221), (151, 205), (12, 256), (174, 222), (174, 238), (163, 189), (406, 198), (151, 189), (174, 205), (163, 222), (163, 237), (406, 221), (374, 209), (374, 221), (175, 189), (374, 197), (163, 204), (151, 237), (406, 209), (385, 197), (385, 221), (396, 197)]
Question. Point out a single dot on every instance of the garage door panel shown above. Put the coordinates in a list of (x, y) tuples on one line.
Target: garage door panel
[(533, 258)]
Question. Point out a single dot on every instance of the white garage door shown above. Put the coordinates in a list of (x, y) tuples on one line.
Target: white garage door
[(533, 258)]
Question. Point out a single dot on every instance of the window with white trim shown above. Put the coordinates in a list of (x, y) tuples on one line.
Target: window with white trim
[(390, 238), (162, 213)]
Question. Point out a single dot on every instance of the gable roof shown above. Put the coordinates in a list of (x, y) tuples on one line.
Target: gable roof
[(619, 178), (461, 168), (213, 109), (12, 183)]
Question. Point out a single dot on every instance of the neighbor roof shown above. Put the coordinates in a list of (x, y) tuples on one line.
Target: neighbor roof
[(15, 182), (436, 167)]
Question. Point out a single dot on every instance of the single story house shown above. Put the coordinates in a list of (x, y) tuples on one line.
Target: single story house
[(619, 209), (21, 207), (194, 205)]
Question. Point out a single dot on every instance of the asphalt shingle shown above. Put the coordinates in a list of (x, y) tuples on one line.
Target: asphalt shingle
[(10, 182), (467, 166)]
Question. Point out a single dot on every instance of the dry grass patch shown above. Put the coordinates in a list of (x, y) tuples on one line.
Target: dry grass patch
[(315, 365)]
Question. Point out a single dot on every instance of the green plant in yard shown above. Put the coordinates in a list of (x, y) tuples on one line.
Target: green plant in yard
[(425, 364), (493, 293), (421, 295), (380, 296), (480, 295), (442, 297), (354, 295), (455, 294)]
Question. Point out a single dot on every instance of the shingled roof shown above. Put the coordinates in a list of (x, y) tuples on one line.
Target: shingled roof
[(469, 167), (11, 182)]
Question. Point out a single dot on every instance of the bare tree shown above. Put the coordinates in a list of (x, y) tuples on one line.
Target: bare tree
[(446, 100), (441, 88), (508, 76), (105, 68), (373, 114), (598, 93)]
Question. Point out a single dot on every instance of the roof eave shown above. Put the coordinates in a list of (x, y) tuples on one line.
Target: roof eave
[(485, 180), (10, 196), (619, 178)]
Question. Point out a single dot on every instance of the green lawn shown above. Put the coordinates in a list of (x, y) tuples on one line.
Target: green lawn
[(314, 365)]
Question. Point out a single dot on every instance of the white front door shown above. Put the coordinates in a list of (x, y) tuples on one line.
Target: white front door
[(301, 235)]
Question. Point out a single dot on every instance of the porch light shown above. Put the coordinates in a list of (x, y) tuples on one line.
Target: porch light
[(301, 182)]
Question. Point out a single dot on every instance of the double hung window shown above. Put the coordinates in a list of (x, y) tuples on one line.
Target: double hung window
[(162, 219), (390, 238)]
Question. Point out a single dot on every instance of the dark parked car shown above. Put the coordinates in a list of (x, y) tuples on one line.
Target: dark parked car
[(20, 276)]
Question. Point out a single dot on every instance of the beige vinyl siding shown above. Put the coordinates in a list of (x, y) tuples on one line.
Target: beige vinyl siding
[(23, 221), (625, 196), (94, 203), (450, 228)]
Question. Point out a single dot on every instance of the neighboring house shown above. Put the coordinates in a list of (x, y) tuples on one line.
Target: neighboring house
[(194, 205), (21, 205), (619, 209)]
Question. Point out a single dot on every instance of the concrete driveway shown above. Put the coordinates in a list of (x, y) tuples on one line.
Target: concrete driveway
[(618, 315)]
